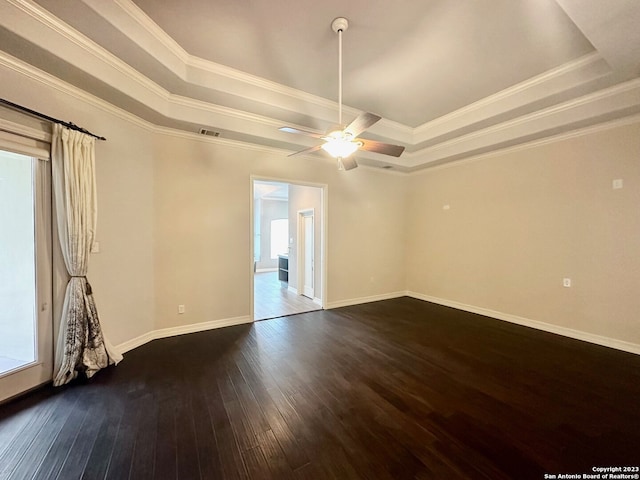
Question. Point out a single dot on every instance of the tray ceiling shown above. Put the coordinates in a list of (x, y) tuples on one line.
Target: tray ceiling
[(450, 79)]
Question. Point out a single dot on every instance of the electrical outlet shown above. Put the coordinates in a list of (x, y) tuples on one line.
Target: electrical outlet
[(617, 183), (180, 309), (566, 282)]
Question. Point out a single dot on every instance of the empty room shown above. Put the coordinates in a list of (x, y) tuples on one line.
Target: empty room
[(319, 240)]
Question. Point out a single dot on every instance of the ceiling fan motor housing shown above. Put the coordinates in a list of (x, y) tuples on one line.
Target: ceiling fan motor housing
[(340, 24)]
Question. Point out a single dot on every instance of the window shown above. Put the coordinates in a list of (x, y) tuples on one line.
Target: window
[(279, 237), (17, 262)]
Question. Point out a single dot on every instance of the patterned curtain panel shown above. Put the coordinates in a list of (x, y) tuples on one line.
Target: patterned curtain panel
[(81, 345)]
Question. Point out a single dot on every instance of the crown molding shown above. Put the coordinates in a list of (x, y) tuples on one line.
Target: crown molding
[(172, 132), (593, 129), (32, 22), (108, 9), (29, 20), (129, 19), (580, 71), (390, 171), (140, 28), (47, 31), (606, 101), (22, 68)]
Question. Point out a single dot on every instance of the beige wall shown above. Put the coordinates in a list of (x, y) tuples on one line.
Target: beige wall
[(122, 274), (174, 226), (202, 227), (174, 218), (367, 218), (520, 222)]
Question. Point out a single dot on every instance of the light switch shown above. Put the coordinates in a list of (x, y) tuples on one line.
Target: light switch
[(95, 248), (617, 183)]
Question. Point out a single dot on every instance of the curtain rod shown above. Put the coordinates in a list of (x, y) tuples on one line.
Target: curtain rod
[(70, 125)]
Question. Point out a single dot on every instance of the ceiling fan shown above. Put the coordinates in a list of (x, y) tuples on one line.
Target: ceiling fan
[(341, 142)]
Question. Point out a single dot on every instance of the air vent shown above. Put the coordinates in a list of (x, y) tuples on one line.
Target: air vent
[(210, 133)]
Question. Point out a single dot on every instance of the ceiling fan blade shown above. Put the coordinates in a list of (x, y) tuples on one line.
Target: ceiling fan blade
[(306, 150), (348, 163), (361, 123), (380, 147), (302, 132)]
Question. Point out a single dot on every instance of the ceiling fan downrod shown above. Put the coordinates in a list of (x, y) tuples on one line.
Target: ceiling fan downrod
[(339, 25), (343, 141)]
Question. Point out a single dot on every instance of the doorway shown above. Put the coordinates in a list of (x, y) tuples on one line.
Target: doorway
[(306, 257), (26, 330), (287, 243)]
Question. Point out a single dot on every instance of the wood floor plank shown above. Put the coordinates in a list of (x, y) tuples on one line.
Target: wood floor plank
[(206, 445), (102, 451), (12, 423), (40, 416), (388, 390), (121, 458), (186, 441), (165, 464), (76, 461), (229, 453), (55, 457), (257, 464), (251, 409), (144, 448), (274, 421), (272, 298), (35, 455), (276, 460)]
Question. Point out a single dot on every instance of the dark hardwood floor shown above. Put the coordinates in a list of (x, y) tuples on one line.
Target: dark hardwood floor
[(387, 390)]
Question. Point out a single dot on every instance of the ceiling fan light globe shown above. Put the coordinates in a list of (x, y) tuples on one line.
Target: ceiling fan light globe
[(340, 148)]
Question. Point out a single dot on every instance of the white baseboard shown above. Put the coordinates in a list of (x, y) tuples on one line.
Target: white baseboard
[(527, 322), (358, 301), (316, 300), (135, 342), (507, 317), (180, 330)]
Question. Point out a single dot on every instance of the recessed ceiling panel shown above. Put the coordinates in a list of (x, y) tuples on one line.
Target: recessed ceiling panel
[(410, 62)]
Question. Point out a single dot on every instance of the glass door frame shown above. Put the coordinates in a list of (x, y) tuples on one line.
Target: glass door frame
[(40, 371)]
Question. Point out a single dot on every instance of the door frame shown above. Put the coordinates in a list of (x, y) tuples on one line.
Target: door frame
[(301, 251), (40, 371), (324, 221)]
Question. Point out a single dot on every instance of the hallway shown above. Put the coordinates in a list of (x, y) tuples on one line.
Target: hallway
[(273, 299)]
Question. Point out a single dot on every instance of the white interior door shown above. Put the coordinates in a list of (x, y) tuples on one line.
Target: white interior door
[(26, 330), (308, 267)]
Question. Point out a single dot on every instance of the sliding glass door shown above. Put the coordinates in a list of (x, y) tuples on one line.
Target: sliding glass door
[(26, 343)]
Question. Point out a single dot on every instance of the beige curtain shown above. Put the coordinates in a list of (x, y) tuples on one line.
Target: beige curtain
[(81, 345)]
